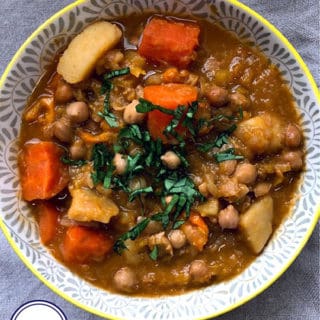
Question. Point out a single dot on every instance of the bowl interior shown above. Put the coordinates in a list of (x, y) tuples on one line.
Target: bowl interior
[(20, 228)]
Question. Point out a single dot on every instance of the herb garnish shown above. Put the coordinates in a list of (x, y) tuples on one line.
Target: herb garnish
[(137, 192), (165, 182), (78, 163), (219, 141), (154, 253), (106, 88), (132, 234), (183, 115), (147, 106), (102, 165), (227, 155)]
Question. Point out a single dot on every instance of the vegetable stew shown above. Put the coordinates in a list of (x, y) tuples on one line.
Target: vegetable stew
[(159, 154)]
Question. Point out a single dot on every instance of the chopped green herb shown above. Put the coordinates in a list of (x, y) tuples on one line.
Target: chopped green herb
[(154, 253), (178, 224), (227, 155), (116, 73), (132, 234), (218, 118), (137, 192), (109, 117), (177, 116), (133, 165), (106, 88), (188, 121), (102, 165), (147, 106), (182, 158), (163, 218), (133, 133), (219, 141), (78, 163)]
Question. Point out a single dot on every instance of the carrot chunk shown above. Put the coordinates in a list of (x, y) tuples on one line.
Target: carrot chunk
[(42, 174), (169, 41), (82, 244), (196, 231), (48, 222), (169, 96)]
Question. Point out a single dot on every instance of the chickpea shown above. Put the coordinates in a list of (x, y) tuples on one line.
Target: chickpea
[(292, 136), (246, 173), (63, 93), (78, 111), (229, 218), (177, 238), (125, 279), (216, 95), (171, 160), (63, 130), (120, 162), (130, 114), (168, 199), (294, 158), (137, 183), (78, 150), (199, 271), (239, 100), (227, 167)]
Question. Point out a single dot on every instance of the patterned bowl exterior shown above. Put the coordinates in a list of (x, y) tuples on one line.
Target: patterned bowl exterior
[(21, 229)]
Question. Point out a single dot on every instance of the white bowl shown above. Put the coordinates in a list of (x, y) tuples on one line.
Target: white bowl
[(21, 230)]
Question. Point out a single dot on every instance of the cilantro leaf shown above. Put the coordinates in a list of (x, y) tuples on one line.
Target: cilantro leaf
[(116, 73), (78, 163), (106, 88), (227, 155), (177, 116), (132, 234), (137, 192), (178, 224), (188, 121), (109, 117), (154, 253), (219, 141), (147, 106), (102, 165)]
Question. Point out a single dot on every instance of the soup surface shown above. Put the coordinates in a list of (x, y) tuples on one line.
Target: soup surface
[(159, 154)]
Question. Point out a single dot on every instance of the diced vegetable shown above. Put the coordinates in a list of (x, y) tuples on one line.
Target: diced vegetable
[(209, 208), (82, 244), (256, 223), (169, 42), (86, 49), (43, 175), (196, 231), (87, 205), (48, 222), (42, 110), (261, 134), (169, 96)]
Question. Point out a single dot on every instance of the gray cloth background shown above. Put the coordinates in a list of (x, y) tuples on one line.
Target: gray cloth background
[(296, 294)]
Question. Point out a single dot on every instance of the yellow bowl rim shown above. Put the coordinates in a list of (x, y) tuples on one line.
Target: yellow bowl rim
[(316, 217)]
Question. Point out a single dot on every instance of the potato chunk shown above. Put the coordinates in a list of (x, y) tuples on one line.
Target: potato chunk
[(209, 208), (261, 134), (86, 205), (256, 223), (86, 49)]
